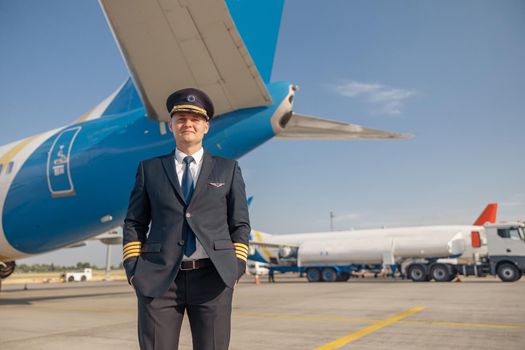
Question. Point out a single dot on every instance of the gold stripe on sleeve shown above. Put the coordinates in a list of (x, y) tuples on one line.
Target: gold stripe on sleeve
[(242, 258), (132, 244), (132, 251), (244, 255), (131, 248), (130, 255), (241, 247)]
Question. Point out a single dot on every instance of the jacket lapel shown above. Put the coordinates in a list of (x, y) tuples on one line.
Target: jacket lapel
[(168, 162), (207, 166)]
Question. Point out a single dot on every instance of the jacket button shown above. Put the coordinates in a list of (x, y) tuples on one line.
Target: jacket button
[(181, 242), (188, 215)]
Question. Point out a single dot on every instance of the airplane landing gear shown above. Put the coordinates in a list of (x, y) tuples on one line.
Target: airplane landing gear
[(6, 269)]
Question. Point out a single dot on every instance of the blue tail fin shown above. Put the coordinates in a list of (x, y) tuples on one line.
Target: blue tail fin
[(258, 23), (127, 99)]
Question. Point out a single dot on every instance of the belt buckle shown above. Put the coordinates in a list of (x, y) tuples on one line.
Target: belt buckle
[(191, 268)]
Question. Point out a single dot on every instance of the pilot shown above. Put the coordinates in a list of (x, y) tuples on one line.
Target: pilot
[(194, 206)]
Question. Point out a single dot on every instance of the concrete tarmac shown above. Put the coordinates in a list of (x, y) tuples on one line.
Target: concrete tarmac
[(479, 313)]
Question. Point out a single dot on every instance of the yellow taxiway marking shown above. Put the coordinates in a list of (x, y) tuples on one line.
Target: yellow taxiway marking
[(368, 320), (336, 344), (309, 317), (460, 324)]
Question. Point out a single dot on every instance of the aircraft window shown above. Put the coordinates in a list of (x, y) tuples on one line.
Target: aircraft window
[(10, 167)]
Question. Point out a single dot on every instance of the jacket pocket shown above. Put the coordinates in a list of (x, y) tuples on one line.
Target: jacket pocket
[(151, 247), (222, 244)]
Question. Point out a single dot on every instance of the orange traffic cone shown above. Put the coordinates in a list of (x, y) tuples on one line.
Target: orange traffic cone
[(257, 281)]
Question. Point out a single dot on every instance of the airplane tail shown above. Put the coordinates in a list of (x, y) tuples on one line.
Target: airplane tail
[(125, 99), (488, 215), (258, 23)]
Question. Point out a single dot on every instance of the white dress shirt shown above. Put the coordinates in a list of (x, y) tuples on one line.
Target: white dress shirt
[(195, 168)]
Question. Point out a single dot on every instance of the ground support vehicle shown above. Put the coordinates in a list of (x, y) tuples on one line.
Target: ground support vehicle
[(84, 276), (499, 251)]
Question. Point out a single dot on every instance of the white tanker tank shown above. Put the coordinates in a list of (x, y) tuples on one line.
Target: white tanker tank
[(380, 250)]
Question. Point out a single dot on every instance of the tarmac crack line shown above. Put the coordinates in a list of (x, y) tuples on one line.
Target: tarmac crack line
[(336, 344)]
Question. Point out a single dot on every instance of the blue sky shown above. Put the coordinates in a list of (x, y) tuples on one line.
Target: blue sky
[(450, 72)]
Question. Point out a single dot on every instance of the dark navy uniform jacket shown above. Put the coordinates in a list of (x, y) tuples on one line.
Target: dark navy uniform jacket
[(217, 214)]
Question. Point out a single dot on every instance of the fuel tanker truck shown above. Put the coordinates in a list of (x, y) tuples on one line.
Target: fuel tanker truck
[(437, 253), (422, 253)]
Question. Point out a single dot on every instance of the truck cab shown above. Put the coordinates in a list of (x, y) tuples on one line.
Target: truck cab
[(506, 250)]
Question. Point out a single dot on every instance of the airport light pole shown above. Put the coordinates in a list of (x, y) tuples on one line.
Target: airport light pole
[(331, 220), (108, 263)]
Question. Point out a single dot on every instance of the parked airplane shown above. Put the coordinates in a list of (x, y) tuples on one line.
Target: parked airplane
[(68, 184), (371, 245)]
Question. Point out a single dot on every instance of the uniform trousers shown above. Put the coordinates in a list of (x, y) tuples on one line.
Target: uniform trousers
[(207, 300)]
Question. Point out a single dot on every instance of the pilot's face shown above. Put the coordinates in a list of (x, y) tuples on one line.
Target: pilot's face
[(188, 128)]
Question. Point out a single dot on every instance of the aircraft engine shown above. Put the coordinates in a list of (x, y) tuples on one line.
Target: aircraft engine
[(287, 252)]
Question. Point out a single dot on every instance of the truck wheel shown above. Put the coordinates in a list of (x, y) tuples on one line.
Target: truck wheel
[(71, 279), (508, 272), (83, 278), (440, 273), (343, 277), (313, 275), (329, 274), (452, 277), (417, 273)]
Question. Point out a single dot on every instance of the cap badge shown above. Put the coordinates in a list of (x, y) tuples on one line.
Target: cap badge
[(190, 98)]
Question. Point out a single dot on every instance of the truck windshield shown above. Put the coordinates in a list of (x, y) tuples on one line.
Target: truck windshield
[(522, 232), (515, 233)]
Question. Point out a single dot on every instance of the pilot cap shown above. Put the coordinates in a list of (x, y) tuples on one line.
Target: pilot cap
[(192, 101)]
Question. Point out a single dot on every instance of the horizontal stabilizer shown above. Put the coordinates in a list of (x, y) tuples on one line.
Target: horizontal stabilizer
[(271, 245), (304, 127), (169, 45)]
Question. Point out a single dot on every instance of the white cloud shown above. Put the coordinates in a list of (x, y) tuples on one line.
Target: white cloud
[(389, 99), (346, 217)]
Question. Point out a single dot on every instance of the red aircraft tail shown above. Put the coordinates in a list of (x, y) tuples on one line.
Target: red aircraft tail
[(488, 215)]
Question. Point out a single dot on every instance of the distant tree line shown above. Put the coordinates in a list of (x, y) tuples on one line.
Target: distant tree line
[(24, 268)]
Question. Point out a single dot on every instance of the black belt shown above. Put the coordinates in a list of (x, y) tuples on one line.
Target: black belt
[(195, 264)]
